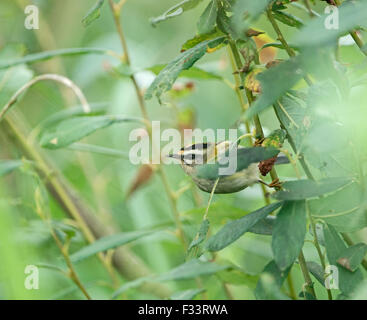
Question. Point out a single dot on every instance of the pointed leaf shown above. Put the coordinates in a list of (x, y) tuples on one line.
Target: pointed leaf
[(268, 288), (7, 166), (235, 229), (186, 294), (317, 271), (176, 10), (245, 157), (352, 257), (108, 242), (201, 236), (208, 19), (75, 129), (335, 247), (304, 189), (274, 83), (192, 73), (289, 233), (164, 81), (93, 14)]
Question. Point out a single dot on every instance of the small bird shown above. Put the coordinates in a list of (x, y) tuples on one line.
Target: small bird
[(194, 161)]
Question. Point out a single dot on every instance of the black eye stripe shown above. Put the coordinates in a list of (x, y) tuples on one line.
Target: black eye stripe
[(197, 146)]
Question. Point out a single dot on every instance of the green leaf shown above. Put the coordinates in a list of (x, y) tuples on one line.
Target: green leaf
[(221, 212), (335, 247), (345, 209), (201, 236), (236, 276), (46, 55), (245, 13), (72, 130), (201, 38), (264, 226), (245, 157), (235, 229), (192, 73), (186, 294), (189, 270), (96, 109), (352, 14), (93, 14), (108, 242), (274, 83), (208, 19), (288, 19), (268, 288), (164, 81), (352, 257), (306, 295), (7, 166), (317, 271), (305, 189), (289, 233), (176, 10)]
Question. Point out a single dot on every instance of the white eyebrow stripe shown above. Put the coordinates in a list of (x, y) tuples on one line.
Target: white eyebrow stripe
[(194, 151)]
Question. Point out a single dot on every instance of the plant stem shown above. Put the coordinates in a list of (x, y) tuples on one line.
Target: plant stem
[(116, 12), (308, 6), (292, 291), (318, 248), (129, 265), (306, 274), (282, 40)]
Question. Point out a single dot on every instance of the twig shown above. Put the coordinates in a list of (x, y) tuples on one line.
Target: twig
[(116, 11)]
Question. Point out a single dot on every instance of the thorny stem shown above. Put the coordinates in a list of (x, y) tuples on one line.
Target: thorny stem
[(116, 11)]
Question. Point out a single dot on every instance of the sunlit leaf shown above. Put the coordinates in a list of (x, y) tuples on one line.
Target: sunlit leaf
[(289, 233), (235, 229), (108, 242), (305, 189), (72, 130), (93, 14), (164, 81), (352, 257)]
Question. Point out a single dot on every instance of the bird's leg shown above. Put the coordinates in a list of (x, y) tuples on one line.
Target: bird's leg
[(274, 184)]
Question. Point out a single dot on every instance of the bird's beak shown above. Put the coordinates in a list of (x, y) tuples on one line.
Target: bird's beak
[(174, 155)]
